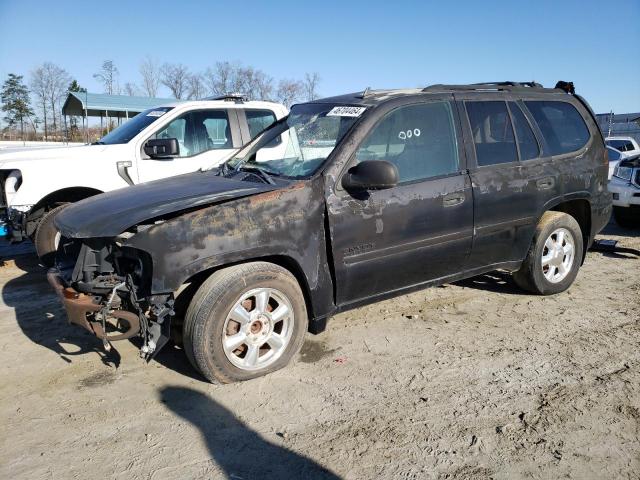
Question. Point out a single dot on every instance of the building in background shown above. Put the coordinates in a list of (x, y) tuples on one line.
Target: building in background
[(620, 125)]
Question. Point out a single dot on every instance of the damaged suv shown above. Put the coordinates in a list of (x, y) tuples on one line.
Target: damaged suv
[(370, 195)]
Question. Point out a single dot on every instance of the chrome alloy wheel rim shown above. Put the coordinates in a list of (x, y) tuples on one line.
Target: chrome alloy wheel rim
[(558, 255), (258, 329)]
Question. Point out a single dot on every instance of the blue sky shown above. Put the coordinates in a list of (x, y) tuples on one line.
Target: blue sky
[(595, 44)]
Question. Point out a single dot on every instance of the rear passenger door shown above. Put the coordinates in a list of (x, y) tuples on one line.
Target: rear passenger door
[(505, 207)]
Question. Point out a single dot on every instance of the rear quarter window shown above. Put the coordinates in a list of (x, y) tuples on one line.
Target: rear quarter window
[(562, 126)]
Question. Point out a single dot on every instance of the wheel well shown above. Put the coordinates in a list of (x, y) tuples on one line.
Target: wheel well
[(191, 285), (66, 195), (581, 211)]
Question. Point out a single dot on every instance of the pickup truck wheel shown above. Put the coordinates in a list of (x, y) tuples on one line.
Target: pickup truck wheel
[(245, 321), (627, 217), (47, 237), (554, 257)]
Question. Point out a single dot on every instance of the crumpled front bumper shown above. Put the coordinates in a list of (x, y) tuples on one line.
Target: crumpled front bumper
[(79, 306)]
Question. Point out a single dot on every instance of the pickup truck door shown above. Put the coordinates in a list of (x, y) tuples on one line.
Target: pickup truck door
[(205, 136), (418, 231)]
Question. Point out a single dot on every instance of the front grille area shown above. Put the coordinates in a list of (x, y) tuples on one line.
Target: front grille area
[(635, 178)]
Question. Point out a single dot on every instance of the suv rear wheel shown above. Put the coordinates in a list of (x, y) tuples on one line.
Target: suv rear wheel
[(554, 257), (47, 237), (245, 321)]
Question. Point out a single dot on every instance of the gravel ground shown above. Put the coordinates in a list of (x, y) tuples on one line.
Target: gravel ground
[(470, 380)]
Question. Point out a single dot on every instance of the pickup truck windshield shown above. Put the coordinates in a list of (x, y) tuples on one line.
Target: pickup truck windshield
[(125, 132), (308, 135)]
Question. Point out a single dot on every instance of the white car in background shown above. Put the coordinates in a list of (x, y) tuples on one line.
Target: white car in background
[(161, 142), (625, 188), (614, 159), (626, 145)]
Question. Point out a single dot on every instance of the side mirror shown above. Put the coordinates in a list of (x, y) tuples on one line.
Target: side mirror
[(162, 148), (370, 175)]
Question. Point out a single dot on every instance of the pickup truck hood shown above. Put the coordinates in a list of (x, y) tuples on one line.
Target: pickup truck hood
[(16, 159), (111, 213)]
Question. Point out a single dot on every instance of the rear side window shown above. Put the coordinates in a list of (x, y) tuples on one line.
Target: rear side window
[(527, 142), (621, 145), (492, 133), (258, 120), (561, 125)]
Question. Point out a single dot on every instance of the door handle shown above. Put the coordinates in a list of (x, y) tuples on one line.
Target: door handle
[(453, 199), (124, 172), (545, 183)]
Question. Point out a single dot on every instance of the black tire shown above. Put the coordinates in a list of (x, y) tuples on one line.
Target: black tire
[(627, 217), (205, 318), (45, 237), (531, 275)]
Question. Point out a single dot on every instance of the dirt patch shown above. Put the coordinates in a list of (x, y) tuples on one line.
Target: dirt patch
[(473, 380)]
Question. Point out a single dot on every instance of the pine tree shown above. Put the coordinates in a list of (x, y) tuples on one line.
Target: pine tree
[(15, 102)]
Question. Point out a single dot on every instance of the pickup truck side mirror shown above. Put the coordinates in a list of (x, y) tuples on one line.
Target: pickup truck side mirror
[(370, 175), (162, 148)]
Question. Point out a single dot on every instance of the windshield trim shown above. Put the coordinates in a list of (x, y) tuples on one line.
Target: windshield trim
[(326, 162), (168, 109)]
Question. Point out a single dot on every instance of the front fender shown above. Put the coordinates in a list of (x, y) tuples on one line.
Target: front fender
[(287, 223)]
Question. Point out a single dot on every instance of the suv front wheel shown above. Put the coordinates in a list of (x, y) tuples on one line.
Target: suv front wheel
[(554, 257), (245, 321)]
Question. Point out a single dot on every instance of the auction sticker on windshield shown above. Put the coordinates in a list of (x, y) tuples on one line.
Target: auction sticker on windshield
[(155, 113), (346, 111)]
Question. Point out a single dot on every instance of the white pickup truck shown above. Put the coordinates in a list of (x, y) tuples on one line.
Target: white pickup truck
[(160, 142)]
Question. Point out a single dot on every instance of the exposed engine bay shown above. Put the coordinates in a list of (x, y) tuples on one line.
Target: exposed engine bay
[(111, 296)]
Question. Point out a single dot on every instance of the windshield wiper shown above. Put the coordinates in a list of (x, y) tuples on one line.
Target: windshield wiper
[(263, 173), (98, 143)]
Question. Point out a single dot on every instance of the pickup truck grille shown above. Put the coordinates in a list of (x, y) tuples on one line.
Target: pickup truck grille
[(635, 178)]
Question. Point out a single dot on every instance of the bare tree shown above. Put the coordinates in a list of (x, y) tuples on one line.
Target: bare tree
[(49, 83), (256, 84), (150, 71), (227, 77), (39, 88), (290, 92), (222, 78), (130, 89), (176, 78), (311, 81), (197, 89), (108, 76)]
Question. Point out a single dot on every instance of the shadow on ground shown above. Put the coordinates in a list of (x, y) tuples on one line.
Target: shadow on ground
[(41, 317), (498, 282), (236, 449)]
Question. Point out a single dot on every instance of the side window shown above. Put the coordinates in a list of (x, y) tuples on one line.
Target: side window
[(492, 132), (419, 139), (258, 120), (561, 125), (199, 131), (527, 142)]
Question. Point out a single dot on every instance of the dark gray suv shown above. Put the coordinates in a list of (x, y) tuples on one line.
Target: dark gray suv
[(346, 201)]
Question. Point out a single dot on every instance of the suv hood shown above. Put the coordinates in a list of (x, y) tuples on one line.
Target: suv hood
[(111, 213)]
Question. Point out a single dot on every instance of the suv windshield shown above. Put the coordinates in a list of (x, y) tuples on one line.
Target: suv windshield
[(298, 145), (125, 132)]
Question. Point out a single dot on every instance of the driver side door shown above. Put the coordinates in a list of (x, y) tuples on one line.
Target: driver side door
[(421, 229), (205, 137)]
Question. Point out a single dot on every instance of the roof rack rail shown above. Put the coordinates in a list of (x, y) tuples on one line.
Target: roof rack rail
[(230, 97), (510, 86), (364, 93)]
